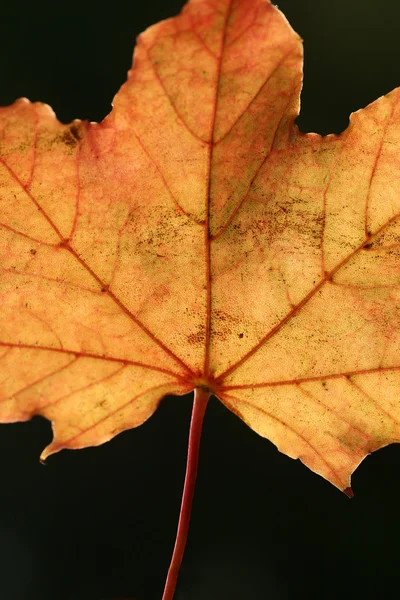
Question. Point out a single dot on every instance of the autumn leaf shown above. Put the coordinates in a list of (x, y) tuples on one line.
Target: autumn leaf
[(195, 239)]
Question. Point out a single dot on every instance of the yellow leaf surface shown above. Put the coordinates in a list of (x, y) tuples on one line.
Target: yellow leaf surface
[(195, 238)]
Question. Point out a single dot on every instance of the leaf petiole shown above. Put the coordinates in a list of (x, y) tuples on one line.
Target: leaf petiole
[(201, 397)]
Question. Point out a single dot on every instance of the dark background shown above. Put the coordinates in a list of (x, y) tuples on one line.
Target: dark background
[(100, 523)]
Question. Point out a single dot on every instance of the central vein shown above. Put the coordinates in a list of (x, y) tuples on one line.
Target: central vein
[(207, 232)]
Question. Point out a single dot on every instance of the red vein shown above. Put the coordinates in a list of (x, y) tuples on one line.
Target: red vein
[(290, 428), (81, 354), (249, 26), (28, 193), (260, 89), (160, 81), (299, 380), (372, 400), (198, 36), (324, 208), (207, 232), (172, 196), (45, 323), (326, 279), (126, 311), (85, 387), (111, 414), (374, 168), (26, 236), (246, 194), (337, 414), (272, 331), (33, 159), (118, 252), (123, 308), (360, 286), (60, 281), (40, 379), (78, 189)]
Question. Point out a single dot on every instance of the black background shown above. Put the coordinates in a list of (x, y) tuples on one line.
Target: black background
[(100, 523)]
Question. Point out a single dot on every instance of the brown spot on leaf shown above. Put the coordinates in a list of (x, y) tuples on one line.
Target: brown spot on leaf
[(71, 136), (74, 129), (198, 337), (225, 324), (32, 251)]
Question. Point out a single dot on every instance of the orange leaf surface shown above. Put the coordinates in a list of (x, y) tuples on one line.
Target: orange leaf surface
[(195, 238)]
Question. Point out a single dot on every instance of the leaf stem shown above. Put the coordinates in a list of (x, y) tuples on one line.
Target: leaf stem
[(201, 397)]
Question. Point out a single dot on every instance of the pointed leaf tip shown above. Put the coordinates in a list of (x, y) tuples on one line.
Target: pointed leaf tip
[(196, 235), (349, 492)]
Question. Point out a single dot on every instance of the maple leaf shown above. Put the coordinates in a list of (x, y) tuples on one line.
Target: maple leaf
[(195, 239)]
